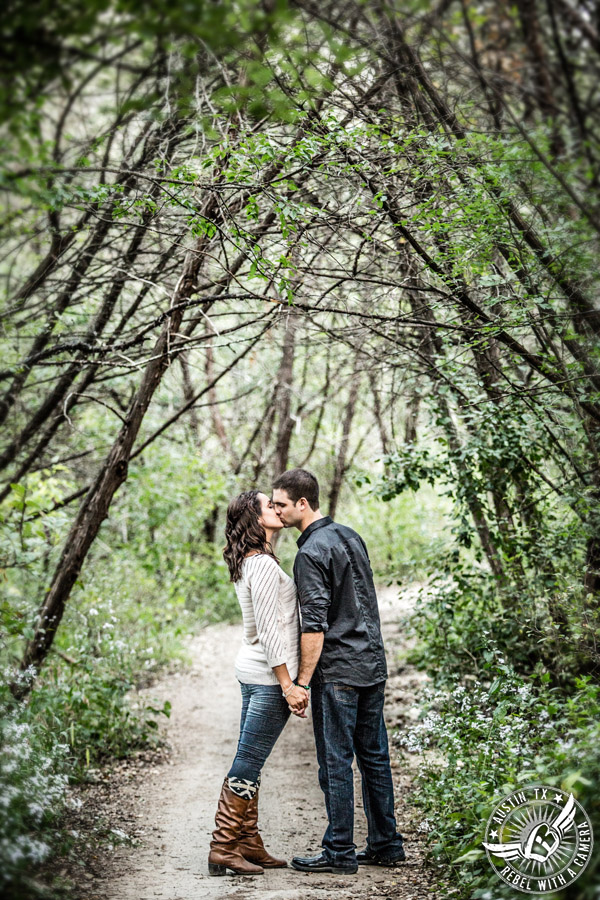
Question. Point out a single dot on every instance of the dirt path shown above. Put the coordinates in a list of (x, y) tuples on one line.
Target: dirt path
[(171, 806)]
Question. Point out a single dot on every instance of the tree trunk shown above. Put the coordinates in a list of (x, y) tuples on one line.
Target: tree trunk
[(377, 412), (285, 425), (540, 82), (57, 395), (188, 394), (95, 506), (215, 413), (434, 348), (412, 415), (340, 463), (591, 579), (46, 267), (43, 443)]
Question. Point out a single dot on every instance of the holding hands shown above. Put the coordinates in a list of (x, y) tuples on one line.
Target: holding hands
[(297, 697)]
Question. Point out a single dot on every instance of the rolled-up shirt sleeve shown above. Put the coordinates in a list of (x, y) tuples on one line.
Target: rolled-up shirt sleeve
[(314, 593), (264, 589)]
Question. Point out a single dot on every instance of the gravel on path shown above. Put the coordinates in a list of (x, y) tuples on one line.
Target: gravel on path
[(170, 806)]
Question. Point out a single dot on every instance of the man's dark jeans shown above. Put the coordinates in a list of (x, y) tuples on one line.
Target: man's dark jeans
[(348, 721)]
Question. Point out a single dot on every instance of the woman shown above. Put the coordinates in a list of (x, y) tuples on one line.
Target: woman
[(266, 666)]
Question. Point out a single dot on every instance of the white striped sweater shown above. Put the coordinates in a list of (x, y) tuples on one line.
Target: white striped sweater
[(270, 611)]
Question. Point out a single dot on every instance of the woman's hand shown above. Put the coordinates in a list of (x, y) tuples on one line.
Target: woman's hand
[(298, 701), (297, 696)]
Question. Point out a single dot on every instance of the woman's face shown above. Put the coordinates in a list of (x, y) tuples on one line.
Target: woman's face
[(268, 517)]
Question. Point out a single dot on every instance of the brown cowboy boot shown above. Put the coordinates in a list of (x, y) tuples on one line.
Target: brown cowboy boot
[(224, 850), (250, 843)]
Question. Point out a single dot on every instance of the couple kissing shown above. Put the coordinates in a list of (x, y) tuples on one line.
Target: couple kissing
[(313, 638)]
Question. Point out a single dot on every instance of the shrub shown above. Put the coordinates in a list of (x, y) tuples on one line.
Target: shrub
[(33, 781), (479, 739)]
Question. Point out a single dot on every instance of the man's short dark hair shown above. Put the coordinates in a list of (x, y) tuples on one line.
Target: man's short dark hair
[(299, 483)]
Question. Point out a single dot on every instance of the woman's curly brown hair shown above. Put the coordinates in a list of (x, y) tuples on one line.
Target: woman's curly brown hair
[(244, 532)]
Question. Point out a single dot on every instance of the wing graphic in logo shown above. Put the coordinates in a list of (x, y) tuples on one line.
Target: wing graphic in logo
[(512, 850), (543, 841), (563, 822)]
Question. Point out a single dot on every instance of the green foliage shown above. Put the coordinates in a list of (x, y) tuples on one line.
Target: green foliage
[(41, 42), (406, 536), (411, 241), (32, 787), (554, 631), (77, 716), (479, 738), (94, 711), (153, 580), (506, 636)]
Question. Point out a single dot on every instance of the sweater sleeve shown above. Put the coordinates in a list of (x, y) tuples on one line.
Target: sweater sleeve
[(264, 587)]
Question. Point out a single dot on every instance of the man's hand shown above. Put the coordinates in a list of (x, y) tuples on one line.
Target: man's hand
[(298, 701)]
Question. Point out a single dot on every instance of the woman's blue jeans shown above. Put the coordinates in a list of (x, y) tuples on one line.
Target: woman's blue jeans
[(348, 721), (264, 714)]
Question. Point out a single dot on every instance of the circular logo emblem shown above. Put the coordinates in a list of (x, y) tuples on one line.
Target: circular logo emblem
[(539, 839)]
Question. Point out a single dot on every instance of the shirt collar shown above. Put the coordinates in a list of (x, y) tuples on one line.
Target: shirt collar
[(320, 523)]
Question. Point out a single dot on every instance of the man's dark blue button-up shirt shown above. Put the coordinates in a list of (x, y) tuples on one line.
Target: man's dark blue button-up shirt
[(337, 596)]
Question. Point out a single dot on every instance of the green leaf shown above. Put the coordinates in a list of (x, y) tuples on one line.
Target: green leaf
[(470, 856)]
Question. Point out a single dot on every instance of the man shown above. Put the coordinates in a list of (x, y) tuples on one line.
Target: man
[(343, 661)]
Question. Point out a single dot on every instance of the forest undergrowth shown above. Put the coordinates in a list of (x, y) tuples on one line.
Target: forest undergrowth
[(357, 237)]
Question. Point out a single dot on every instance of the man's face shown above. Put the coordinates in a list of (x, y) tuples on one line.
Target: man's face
[(290, 514)]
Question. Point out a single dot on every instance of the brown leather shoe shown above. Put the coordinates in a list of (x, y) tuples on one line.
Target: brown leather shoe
[(250, 843), (225, 853)]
